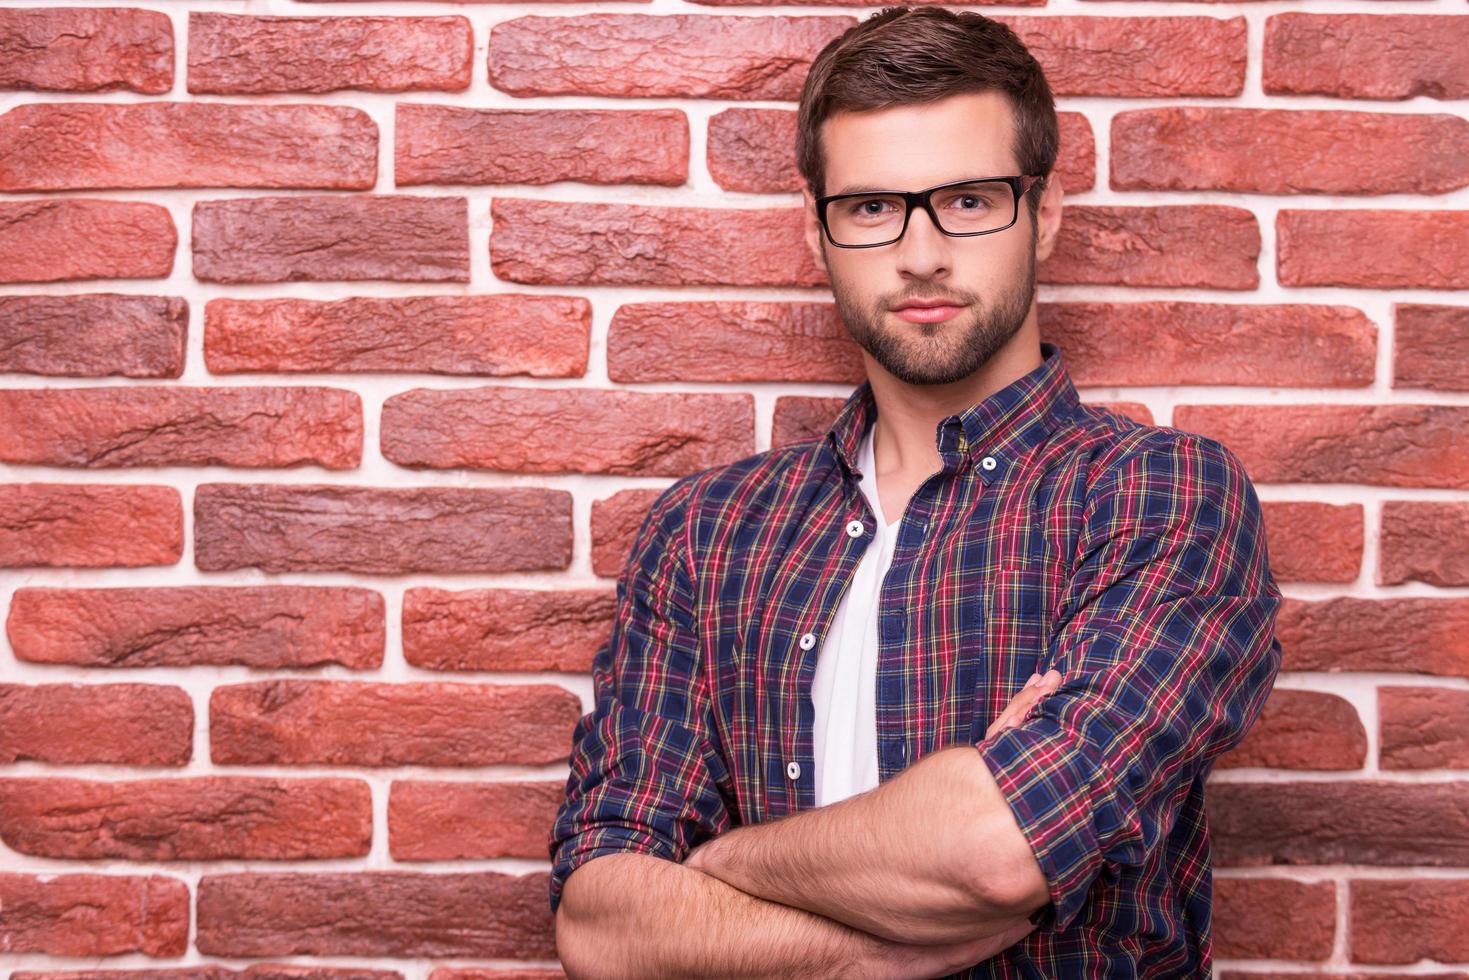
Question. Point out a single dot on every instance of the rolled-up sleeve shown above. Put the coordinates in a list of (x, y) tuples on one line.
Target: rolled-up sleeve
[(641, 766), (1165, 639)]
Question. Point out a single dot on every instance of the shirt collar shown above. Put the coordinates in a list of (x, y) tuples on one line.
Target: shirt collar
[(997, 429)]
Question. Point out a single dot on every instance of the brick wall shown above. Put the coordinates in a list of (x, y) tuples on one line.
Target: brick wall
[(345, 346)]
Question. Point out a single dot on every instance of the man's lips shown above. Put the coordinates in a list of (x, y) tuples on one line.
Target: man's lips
[(929, 311)]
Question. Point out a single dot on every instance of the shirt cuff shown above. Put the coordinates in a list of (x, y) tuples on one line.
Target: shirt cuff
[(1052, 788), (608, 839)]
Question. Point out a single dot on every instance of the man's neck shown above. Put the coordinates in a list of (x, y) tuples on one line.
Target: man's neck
[(908, 416)]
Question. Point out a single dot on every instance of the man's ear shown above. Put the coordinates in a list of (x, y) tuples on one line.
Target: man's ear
[(1048, 217), (813, 227)]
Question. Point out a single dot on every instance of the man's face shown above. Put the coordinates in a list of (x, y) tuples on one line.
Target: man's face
[(990, 278)]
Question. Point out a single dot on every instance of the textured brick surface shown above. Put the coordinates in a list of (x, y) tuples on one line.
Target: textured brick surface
[(1212, 343), (1367, 56), (615, 522), (435, 144), (1248, 922), (1423, 727), (1302, 730), (147, 724), (317, 237), (439, 821), (1430, 347), (266, 627), (570, 431), (1210, 246), (349, 723), (94, 914), (81, 49), (57, 146), (1424, 541), (90, 525), (322, 527), (506, 629), (539, 336), (85, 238), (1373, 249), (207, 818), (1308, 541), (94, 335), (482, 914), (1288, 151), (1427, 635), (1405, 920), (242, 54), (194, 426)]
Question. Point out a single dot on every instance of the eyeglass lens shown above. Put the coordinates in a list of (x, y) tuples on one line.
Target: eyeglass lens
[(875, 219)]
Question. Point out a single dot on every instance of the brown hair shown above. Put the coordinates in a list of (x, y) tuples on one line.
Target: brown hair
[(914, 55)]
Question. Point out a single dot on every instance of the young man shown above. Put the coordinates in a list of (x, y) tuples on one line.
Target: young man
[(801, 761)]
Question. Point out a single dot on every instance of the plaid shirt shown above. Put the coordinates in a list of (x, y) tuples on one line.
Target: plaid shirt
[(1129, 557)]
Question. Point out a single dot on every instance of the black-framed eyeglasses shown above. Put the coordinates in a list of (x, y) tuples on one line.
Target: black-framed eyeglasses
[(976, 206)]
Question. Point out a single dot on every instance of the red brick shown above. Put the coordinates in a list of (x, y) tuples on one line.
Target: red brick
[(441, 144), (357, 723), (440, 821), (755, 150), (1212, 343), (1411, 635), (1302, 730), (642, 55), (1203, 245), (472, 914), (498, 335), (383, 531), (207, 818), (1314, 542), (506, 629), (1288, 151), (1382, 445), (94, 334), (57, 724), (1424, 541), (1405, 920), (81, 49), (1340, 822), (65, 146), (1431, 347), (799, 418), (568, 430), (615, 523), (239, 53), (731, 341), (323, 237), (1423, 728), (560, 242), (206, 426), (1367, 56), (1373, 249), (265, 627), (1247, 919), (93, 914), (1136, 57), (68, 525), (83, 238)]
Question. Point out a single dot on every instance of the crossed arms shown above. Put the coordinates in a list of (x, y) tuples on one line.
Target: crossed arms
[(1166, 645)]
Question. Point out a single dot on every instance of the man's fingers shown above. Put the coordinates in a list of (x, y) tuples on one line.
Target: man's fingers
[(1020, 706)]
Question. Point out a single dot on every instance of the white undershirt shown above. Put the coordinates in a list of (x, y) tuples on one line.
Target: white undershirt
[(844, 689)]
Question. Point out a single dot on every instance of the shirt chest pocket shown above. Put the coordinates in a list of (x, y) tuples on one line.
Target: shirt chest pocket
[(1013, 622)]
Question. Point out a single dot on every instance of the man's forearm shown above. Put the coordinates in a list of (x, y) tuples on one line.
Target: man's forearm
[(932, 855), (635, 915)]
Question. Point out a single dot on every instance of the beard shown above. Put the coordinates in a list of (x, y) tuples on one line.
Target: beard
[(937, 353)]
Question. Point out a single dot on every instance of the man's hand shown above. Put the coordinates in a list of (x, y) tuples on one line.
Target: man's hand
[(1020, 706)]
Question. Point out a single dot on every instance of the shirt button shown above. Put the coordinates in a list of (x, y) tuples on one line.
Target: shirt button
[(855, 529), (808, 640), (793, 770), (988, 462)]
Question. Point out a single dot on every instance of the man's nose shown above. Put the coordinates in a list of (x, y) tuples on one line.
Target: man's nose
[(924, 249)]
